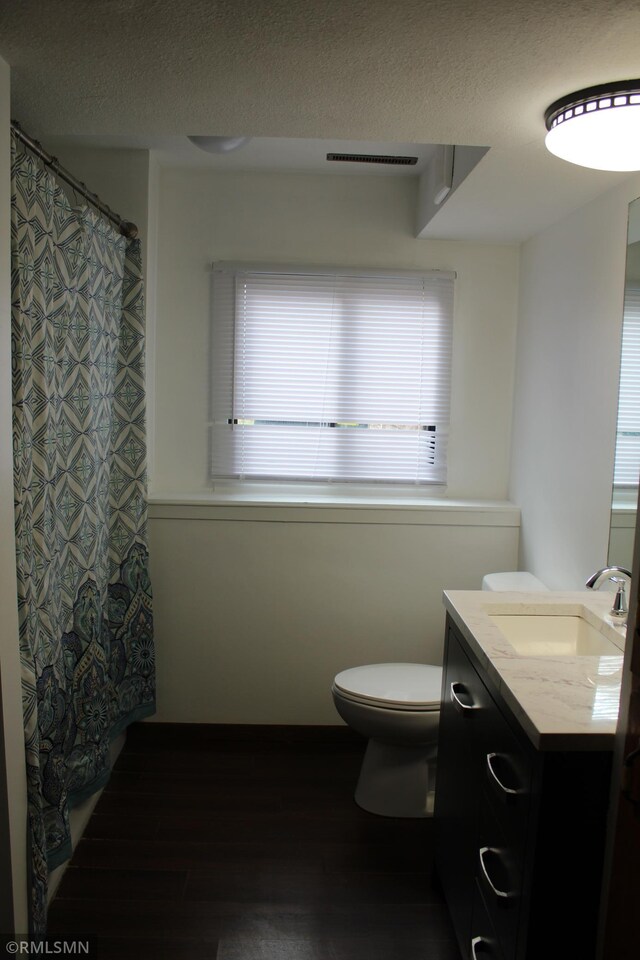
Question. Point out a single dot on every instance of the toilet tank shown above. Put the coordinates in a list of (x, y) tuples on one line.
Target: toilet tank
[(513, 580)]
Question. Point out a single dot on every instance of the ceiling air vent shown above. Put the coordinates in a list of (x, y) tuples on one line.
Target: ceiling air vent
[(373, 158)]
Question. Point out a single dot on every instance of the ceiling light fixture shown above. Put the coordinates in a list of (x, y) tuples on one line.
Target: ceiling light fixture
[(219, 144), (597, 127)]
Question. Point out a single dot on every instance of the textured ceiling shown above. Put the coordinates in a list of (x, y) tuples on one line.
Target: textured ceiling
[(464, 71)]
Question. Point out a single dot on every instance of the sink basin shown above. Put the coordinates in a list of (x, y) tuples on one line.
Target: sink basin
[(539, 635)]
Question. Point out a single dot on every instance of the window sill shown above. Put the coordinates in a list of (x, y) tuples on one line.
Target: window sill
[(625, 499), (289, 505)]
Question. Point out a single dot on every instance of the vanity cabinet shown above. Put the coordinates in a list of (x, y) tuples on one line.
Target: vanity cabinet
[(519, 831)]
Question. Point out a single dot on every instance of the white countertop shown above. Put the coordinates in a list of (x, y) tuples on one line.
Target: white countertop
[(562, 702)]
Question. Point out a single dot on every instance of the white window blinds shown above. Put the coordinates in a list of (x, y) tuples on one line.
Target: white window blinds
[(627, 461), (330, 375)]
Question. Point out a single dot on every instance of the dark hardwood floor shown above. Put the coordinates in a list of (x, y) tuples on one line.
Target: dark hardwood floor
[(245, 843)]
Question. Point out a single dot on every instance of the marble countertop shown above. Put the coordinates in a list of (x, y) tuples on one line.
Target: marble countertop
[(562, 702)]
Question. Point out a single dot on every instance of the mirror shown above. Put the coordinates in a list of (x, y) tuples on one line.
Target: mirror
[(627, 459)]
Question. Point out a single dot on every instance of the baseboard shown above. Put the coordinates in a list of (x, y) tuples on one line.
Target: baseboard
[(147, 733)]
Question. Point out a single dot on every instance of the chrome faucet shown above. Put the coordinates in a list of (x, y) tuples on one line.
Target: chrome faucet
[(620, 576)]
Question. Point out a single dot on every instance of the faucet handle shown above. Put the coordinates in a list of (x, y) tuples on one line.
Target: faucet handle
[(619, 610)]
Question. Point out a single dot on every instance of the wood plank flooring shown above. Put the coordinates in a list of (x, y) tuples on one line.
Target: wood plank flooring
[(245, 843)]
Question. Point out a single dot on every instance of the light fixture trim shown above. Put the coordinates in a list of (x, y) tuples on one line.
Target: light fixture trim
[(597, 127), (604, 96)]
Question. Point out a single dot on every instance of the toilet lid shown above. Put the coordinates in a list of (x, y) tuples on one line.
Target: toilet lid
[(415, 685)]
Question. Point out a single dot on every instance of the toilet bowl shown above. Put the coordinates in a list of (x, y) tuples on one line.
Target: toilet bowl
[(397, 707)]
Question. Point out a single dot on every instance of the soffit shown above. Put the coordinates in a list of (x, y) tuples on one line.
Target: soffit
[(412, 71)]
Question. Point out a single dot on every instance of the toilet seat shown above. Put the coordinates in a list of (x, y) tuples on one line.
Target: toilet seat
[(392, 686)]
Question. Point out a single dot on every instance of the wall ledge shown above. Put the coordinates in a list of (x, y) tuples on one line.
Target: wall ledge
[(498, 513)]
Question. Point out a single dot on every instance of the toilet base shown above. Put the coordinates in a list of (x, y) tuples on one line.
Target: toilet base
[(396, 780)]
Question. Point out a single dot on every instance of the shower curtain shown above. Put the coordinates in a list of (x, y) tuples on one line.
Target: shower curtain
[(84, 596)]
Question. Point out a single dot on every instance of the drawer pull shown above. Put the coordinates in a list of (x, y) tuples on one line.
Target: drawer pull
[(509, 793), (465, 708), (475, 943), (502, 895)]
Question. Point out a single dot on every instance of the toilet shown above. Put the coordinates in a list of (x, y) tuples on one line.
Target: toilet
[(397, 707)]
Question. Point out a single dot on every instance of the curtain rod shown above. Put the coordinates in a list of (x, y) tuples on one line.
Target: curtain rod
[(126, 227)]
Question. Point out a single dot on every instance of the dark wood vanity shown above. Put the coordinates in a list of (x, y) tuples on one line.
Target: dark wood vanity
[(520, 828)]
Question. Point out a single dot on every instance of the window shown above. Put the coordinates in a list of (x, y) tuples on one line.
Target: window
[(627, 460), (330, 375)]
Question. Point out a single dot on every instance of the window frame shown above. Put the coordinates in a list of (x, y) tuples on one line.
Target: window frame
[(626, 488), (223, 334)]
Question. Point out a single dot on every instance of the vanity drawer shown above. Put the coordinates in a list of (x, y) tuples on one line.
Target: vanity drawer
[(464, 692), (500, 873), (484, 943), (507, 777)]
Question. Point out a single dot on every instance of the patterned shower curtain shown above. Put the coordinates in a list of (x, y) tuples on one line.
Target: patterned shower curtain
[(86, 629)]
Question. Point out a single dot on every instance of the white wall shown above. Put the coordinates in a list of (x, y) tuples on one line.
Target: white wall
[(150, 252), (332, 220), (622, 537), (13, 806), (256, 614), (567, 368), (257, 608)]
